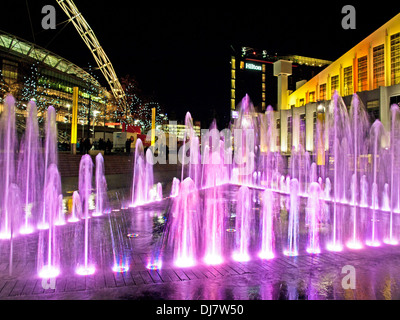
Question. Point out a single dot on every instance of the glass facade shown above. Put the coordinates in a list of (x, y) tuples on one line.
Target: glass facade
[(31, 72), (10, 72)]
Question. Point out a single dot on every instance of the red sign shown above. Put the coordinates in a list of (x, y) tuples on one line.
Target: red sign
[(131, 128), (146, 143)]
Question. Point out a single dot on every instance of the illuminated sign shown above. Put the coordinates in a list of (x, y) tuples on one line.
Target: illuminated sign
[(253, 66)]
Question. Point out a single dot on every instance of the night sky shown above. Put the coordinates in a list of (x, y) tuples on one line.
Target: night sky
[(181, 54)]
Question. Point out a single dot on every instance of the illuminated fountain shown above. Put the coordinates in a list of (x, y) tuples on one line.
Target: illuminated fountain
[(101, 186), (76, 213), (119, 245), (191, 165), (85, 188), (49, 242), (377, 132), (230, 203), (142, 176), (185, 225), (314, 209), (243, 225), (293, 224), (246, 140), (7, 172), (50, 157), (30, 171), (175, 187), (394, 177), (339, 132), (214, 211), (267, 226)]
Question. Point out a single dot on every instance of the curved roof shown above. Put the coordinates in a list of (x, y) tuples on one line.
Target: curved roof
[(13, 44)]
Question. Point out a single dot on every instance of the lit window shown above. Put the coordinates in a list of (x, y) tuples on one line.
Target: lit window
[(334, 84), (363, 73), (348, 80), (311, 96), (395, 58), (378, 66), (233, 62), (322, 92), (10, 72)]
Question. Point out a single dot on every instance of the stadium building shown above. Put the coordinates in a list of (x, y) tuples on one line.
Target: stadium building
[(32, 72)]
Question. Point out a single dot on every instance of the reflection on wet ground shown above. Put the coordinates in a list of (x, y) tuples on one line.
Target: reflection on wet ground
[(305, 277)]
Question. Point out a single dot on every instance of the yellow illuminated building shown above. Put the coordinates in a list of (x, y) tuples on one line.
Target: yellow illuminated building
[(371, 69)]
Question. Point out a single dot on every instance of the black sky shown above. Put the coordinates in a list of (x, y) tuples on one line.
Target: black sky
[(181, 52)]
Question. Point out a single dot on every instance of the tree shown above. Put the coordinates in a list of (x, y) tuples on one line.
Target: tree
[(140, 106)]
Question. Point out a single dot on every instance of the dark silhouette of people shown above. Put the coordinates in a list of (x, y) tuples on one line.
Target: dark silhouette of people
[(108, 146), (102, 144), (81, 146), (87, 145), (128, 146)]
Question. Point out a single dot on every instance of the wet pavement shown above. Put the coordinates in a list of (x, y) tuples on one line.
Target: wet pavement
[(305, 277)]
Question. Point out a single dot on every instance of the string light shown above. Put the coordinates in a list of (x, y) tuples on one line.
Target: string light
[(140, 106)]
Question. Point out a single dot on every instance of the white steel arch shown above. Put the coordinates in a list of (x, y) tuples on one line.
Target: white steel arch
[(103, 62)]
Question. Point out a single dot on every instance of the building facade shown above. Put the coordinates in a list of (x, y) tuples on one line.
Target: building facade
[(30, 72), (371, 69), (252, 73)]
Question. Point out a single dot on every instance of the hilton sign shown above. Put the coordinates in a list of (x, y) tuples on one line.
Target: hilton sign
[(252, 66)]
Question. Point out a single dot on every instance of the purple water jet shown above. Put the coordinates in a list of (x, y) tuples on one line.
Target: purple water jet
[(76, 207), (314, 208), (267, 226), (243, 225), (85, 188), (50, 157), (101, 186), (49, 246), (214, 212), (293, 223), (185, 225), (30, 175), (7, 173), (142, 175)]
